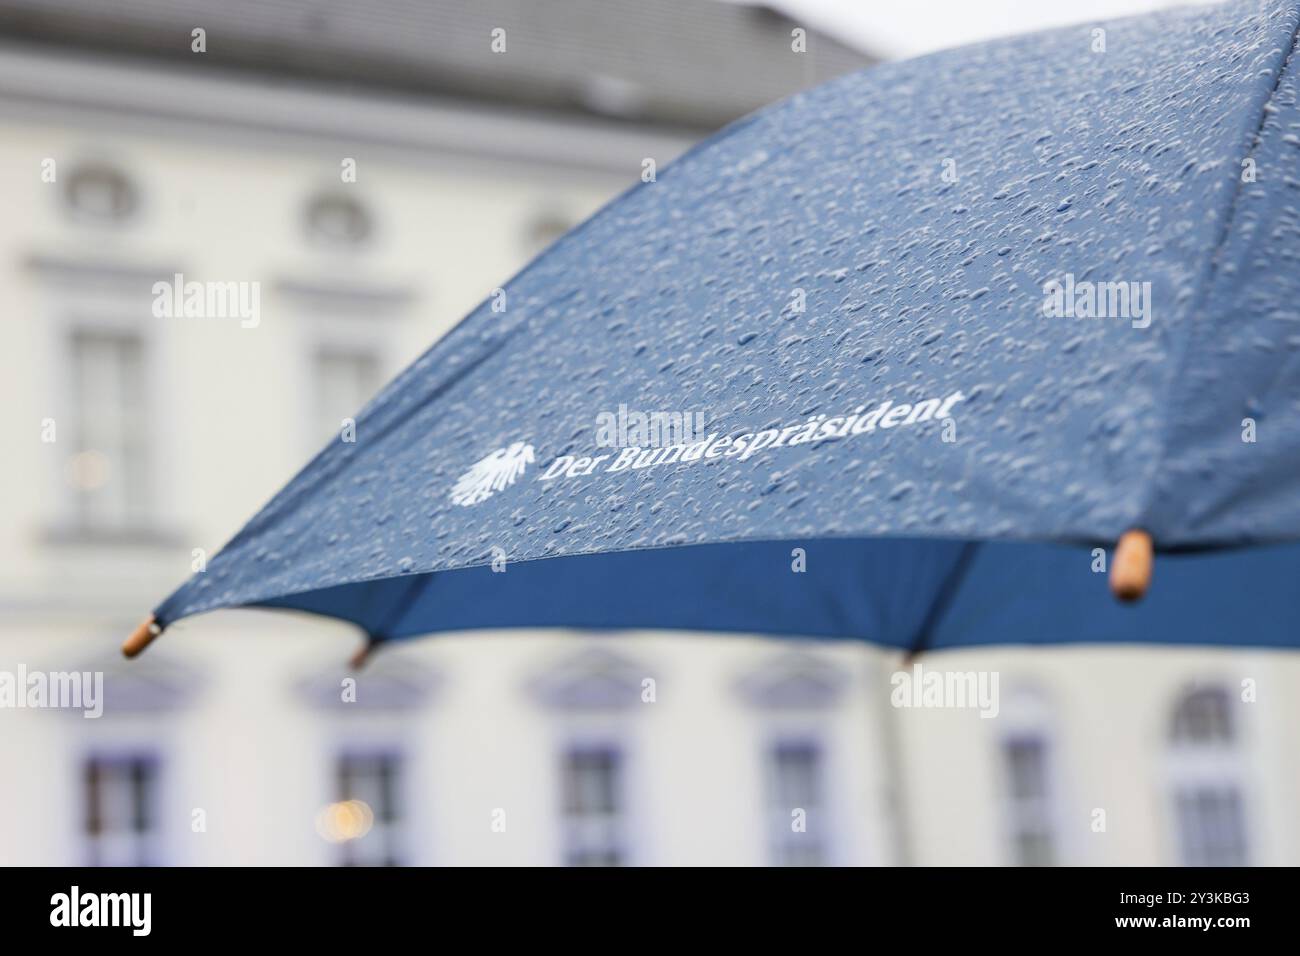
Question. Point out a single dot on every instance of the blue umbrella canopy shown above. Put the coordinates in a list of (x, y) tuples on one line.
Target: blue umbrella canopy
[(886, 360)]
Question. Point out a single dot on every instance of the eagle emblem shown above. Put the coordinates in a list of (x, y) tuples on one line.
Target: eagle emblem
[(491, 474)]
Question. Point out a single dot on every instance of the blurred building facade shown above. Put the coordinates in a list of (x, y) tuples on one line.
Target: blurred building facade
[(377, 179)]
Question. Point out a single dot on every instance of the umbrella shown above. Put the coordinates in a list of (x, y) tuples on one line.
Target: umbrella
[(900, 358)]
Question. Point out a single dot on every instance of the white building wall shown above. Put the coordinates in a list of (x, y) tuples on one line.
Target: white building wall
[(454, 198)]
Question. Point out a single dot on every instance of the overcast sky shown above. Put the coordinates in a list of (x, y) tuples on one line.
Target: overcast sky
[(901, 28)]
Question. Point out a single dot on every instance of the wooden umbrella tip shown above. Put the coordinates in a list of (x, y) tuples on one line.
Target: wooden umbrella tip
[(141, 637), (1130, 572), (362, 655)]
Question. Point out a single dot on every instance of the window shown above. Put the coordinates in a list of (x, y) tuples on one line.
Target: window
[(109, 468), (1029, 798), (368, 786), (98, 193), (795, 810), (544, 229), (1210, 825), (121, 802), (1028, 769), (1202, 718), (339, 221), (593, 807), (1206, 769), (345, 380)]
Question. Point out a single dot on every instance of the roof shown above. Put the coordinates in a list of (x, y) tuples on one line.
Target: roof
[(694, 63)]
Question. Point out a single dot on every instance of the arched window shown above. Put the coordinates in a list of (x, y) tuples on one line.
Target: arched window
[(337, 221), (100, 193), (1206, 769)]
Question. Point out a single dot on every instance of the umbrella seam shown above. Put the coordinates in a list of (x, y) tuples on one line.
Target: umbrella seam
[(943, 600), (1177, 377)]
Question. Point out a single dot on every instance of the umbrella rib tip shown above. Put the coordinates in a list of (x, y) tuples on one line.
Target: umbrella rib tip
[(362, 655), (1130, 572), (141, 637)]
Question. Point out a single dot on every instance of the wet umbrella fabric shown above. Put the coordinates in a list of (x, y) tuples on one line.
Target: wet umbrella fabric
[(881, 300)]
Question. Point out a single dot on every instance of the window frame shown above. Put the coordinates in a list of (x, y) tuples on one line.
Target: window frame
[(374, 337), (395, 833), (70, 309), (824, 817), (1216, 766), (587, 733), (150, 849), (1026, 713)]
